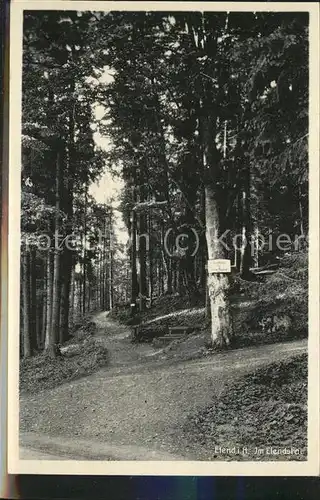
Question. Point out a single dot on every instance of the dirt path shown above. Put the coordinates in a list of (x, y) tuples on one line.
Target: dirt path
[(116, 337), (135, 408)]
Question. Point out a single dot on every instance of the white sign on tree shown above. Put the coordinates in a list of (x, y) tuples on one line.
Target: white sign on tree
[(219, 266)]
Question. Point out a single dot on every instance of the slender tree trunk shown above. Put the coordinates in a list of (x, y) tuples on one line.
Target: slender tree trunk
[(134, 280), (107, 266), (100, 280), (203, 245), (111, 290), (84, 291), (161, 269), (79, 295), (207, 301), (166, 260), (65, 302), (150, 258), (72, 297), (181, 280), (160, 276), (39, 319), (27, 344), (68, 208), (302, 232), (33, 301), (44, 307), (48, 333), (189, 259), (256, 247), (89, 295), (143, 288), (54, 349), (127, 283), (175, 277), (245, 254)]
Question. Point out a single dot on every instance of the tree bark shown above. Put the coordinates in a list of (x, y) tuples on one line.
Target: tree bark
[(33, 302), (54, 341), (143, 286), (44, 307), (302, 231), (27, 344), (218, 283), (48, 333), (68, 208), (246, 259), (256, 246), (134, 280), (150, 258), (111, 289), (72, 297), (65, 299), (106, 266), (84, 290)]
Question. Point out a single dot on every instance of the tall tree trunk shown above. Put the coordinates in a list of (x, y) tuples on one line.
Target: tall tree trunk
[(101, 278), (181, 281), (134, 280), (246, 247), (27, 344), (175, 275), (89, 295), (189, 259), (167, 260), (65, 299), (150, 258), (44, 307), (160, 276), (54, 349), (84, 291), (48, 333), (72, 297), (39, 319), (107, 266), (67, 207), (256, 246), (111, 289), (33, 301), (143, 286), (218, 283), (207, 301), (302, 232), (202, 242)]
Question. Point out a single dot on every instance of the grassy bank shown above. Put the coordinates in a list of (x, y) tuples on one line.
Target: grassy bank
[(266, 409), (82, 355)]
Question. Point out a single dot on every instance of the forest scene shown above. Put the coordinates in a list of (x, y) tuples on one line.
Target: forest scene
[(164, 235)]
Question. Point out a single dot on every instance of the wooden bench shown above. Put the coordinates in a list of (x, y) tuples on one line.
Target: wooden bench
[(166, 339), (183, 330), (165, 333), (145, 332)]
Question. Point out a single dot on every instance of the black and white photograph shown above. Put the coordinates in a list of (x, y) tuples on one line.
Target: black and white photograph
[(163, 291)]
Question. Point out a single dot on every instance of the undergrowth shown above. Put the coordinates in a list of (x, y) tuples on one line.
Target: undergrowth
[(278, 304), (268, 407), (82, 356)]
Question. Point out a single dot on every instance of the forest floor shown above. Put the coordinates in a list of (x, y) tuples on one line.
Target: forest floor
[(144, 404)]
